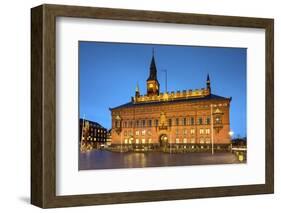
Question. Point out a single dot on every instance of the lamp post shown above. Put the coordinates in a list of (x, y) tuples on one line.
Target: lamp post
[(212, 129), (231, 133)]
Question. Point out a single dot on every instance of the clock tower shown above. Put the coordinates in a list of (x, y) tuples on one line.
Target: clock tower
[(152, 84)]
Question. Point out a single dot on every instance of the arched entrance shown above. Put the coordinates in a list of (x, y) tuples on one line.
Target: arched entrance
[(163, 139)]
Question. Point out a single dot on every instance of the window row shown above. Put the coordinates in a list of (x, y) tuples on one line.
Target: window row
[(184, 140), (184, 132), (171, 122)]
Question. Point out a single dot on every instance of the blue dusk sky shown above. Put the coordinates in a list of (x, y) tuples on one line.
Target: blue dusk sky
[(109, 73)]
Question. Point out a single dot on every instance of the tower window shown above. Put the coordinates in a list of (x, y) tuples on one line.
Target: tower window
[(177, 121)]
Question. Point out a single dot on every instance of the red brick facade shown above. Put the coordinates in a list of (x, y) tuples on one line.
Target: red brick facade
[(181, 120)]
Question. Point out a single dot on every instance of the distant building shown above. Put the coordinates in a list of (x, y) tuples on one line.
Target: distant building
[(188, 120), (93, 133), (108, 139)]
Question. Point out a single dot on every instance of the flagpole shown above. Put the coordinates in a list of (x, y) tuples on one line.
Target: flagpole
[(212, 129)]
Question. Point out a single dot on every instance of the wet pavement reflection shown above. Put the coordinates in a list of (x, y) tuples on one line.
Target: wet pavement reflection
[(102, 159)]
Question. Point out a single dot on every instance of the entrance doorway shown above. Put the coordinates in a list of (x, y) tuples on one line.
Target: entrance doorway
[(163, 140)]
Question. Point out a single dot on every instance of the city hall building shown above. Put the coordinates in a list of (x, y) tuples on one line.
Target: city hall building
[(178, 121)]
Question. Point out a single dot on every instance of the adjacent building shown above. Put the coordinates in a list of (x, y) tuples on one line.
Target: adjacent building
[(185, 121), (91, 133)]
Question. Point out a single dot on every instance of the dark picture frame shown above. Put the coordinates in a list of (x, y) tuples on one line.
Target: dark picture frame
[(43, 105)]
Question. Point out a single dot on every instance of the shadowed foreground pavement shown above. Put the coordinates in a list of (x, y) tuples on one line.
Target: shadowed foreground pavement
[(102, 159)]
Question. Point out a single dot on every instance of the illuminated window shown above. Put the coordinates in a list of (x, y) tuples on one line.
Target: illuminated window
[(207, 131), (148, 132), (208, 140), (192, 140), (192, 131), (143, 140), (137, 140), (218, 120), (150, 85), (126, 141), (149, 140), (184, 140), (201, 131), (177, 140), (185, 131), (137, 132), (143, 132), (201, 140)]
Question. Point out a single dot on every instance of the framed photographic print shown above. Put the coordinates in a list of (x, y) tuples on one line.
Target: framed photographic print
[(136, 106)]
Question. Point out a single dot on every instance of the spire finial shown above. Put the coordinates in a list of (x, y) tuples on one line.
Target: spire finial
[(137, 87)]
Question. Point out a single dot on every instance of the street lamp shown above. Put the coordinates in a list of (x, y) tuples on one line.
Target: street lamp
[(231, 133)]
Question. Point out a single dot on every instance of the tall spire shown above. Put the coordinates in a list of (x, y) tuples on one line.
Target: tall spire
[(153, 69), (208, 83), (137, 92), (152, 84)]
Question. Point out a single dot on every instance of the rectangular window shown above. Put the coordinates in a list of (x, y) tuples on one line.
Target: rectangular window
[(185, 131), (143, 123), (137, 140), (191, 121), (208, 140), (137, 132), (200, 121), (149, 140), (156, 122), (192, 131), (207, 131), (201, 131), (137, 123), (177, 132), (192, 140), (149, 123), (208, 120), (177, 140), (143, 132), (184, 140), (184, 121), (126, 141), (177, 121), (143, 140), (170, 122), (201, 140), (125, 124)]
